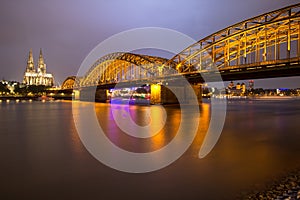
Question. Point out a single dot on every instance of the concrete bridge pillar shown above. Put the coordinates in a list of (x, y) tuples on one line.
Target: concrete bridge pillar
[(101, 95), (87, 94), (198, 90), (155, 94), (169, 97), (161, 94), (93, 94), (76, 94)]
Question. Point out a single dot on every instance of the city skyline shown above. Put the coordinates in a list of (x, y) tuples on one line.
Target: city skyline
[(68, 31)]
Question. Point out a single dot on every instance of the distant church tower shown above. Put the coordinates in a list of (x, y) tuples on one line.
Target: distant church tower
[(41, 64), (30, 63), (39, 76)]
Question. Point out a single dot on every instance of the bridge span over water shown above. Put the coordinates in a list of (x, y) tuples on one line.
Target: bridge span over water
[(264, 46)]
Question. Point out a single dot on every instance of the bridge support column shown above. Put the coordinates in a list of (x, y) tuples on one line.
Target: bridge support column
[(76, 95), (87, 94), (101, 95), (168, 97), (155, 95), (161, 94), (92, 94), (198, 90)]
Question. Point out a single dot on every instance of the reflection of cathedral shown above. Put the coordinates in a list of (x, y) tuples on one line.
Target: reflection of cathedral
[(39, 76)]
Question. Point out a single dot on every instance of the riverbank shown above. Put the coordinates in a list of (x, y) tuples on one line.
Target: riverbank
[(285, 187), (275, 98), (34, 98)]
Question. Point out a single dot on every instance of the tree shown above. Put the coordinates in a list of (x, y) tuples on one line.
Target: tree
[(3, 88)]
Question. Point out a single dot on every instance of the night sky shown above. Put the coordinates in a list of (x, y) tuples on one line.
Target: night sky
[(67, 30)]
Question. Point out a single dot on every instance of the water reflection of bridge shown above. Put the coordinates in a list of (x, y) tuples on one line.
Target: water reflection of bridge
[(261, 47)]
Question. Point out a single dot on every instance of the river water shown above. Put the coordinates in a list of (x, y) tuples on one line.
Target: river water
[(42, 156)]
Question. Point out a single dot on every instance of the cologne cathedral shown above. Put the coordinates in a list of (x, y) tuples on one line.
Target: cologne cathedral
[(37, 76)]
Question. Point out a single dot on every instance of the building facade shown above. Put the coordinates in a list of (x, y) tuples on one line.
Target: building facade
[(38, 75)]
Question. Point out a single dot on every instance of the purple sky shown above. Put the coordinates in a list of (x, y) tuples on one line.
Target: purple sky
[(68, 30)]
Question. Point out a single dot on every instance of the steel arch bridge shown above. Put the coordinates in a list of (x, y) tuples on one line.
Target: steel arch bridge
[(70, 83), (268, 39), (122, 67), (267, 43)]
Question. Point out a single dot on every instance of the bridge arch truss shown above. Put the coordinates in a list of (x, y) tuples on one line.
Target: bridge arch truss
[(269, 38), (123, 67)]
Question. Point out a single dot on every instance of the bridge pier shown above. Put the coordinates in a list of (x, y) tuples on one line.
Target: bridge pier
[(161, 94), (87, 94), (92, 94), (101, 95), (198, 90), (76, 94), (155, 94)]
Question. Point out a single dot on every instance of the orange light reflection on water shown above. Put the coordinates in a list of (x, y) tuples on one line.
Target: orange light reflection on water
[(152, 116)]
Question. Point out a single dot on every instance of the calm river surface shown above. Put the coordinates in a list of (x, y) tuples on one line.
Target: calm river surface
[(42, 156)]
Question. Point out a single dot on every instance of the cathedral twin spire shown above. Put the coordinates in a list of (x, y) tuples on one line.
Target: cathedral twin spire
[(41, 67), (37, 76), (30, 63)]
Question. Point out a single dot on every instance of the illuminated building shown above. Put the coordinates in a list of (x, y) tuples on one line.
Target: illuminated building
[(37, 76), (243, 87), (251, 84), (231, 85), (238, 86)]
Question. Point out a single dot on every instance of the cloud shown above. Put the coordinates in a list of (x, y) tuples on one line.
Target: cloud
[(67, 30)]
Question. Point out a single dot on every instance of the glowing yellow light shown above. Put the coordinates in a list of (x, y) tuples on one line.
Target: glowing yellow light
[(160, 68), (155, 93), (155, 87)]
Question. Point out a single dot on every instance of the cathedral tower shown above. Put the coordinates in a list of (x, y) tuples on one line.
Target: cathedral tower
[(30, 63), (41, 64)]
